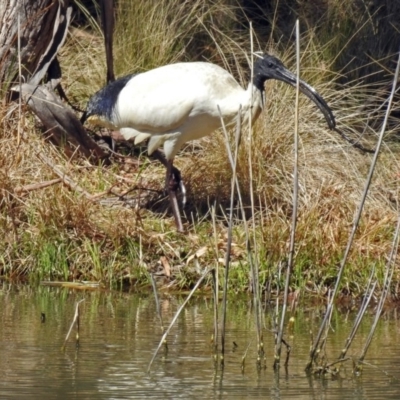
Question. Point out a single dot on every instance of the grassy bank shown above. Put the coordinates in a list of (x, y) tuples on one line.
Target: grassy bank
[(57, 232)]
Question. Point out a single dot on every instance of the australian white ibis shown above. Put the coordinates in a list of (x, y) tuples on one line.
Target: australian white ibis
[(176, 103)]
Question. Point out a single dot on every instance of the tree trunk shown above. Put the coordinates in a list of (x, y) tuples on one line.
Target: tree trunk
[(31, 34), (26, 31)]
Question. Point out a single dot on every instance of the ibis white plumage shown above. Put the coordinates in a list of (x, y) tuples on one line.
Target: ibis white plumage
[(176, 103)]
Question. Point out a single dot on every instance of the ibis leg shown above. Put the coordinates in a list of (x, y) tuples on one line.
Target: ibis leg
[(172, 184), (174, 171)]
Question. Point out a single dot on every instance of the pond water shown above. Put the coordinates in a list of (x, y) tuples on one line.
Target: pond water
[(119, 334)]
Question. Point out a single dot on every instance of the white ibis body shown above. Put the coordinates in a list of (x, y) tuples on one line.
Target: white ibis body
[(176, 103)]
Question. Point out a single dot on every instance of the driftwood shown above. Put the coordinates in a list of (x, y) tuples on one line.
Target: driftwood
[(61, 124)]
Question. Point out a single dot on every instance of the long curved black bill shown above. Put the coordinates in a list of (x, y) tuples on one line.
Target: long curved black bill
[(286, 76)]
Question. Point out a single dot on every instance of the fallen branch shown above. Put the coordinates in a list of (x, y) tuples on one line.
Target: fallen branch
[(35, 186), (61, 124)]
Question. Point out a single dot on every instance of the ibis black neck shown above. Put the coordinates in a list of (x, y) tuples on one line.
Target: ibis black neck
[(258, 77)]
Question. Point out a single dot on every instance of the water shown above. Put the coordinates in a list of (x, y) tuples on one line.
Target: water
[(119, 334)]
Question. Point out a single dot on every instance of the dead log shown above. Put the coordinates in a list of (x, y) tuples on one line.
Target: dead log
[(62, 127)]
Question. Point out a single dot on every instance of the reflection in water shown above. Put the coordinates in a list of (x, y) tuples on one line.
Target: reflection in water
[(120, 332)]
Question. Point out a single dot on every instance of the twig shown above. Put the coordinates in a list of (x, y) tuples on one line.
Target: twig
[(95, 197), (230, 226), (252, 254), (279, 336), (158, 308), (360, 315), (215, 296), (19, 82), (254, 270), (215, 276), (288, 351), (243, 363), (74, 321), (36, 186)]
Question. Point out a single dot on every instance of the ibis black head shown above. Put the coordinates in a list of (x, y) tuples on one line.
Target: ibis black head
[(270, 67), (101, 106)]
